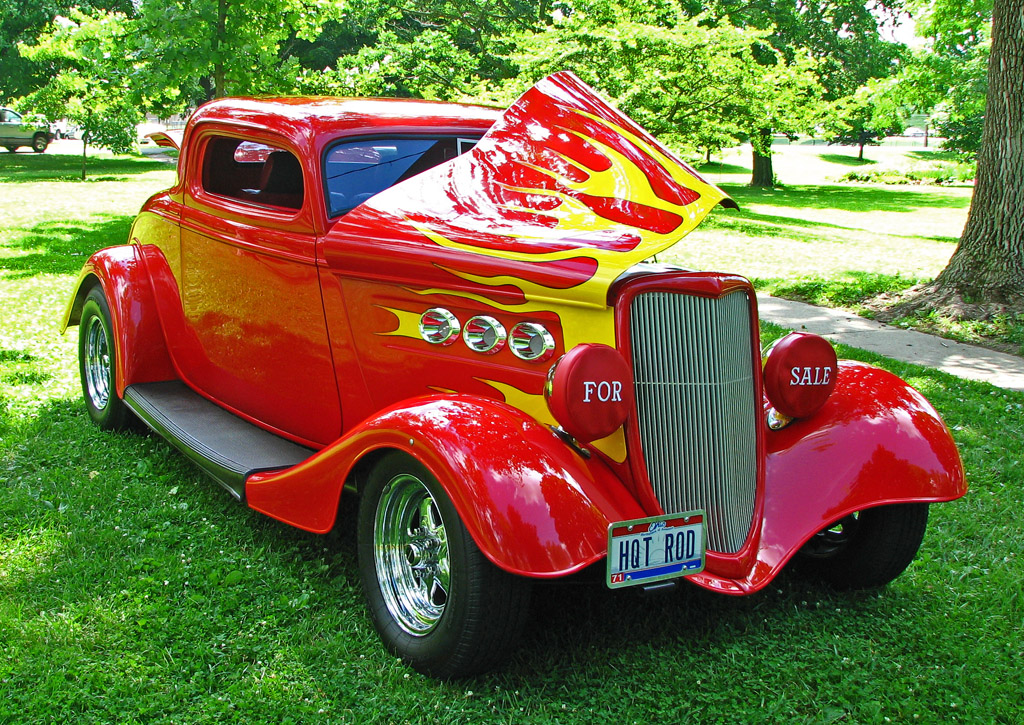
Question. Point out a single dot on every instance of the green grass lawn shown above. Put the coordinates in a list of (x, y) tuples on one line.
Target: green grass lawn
[(132, 589)]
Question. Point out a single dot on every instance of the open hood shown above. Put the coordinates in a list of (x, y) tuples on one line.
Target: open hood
[(562, 181)]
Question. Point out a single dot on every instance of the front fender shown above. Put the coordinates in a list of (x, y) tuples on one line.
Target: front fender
[(141, 351), (533, 505), (877, 441)]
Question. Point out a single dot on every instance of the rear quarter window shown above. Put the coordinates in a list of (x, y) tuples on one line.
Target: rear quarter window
[(252, 172)]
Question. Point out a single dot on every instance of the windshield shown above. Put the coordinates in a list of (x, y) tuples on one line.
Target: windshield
[(357, 170)]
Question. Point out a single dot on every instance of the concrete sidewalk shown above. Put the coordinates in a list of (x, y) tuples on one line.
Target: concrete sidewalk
[(965, 361)]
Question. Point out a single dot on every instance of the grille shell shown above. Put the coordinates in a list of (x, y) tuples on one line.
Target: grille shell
[(693, 366)]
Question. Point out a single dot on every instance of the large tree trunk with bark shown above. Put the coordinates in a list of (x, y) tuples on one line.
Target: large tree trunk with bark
[(762, 175), (985, 276)]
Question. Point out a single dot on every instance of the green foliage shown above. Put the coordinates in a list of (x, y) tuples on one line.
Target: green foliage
[(92, 83), (206, 49), (951, 76), (428, 66), (22, 21), (842, 35), (695, 86), (866, 117), (838, 41), (438, 49)]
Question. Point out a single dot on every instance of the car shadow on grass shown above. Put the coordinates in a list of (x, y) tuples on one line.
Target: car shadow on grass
[(61, 247), (593, 635)]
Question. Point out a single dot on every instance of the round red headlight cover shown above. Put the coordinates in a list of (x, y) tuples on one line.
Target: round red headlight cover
[(800, 373), (590, 391)]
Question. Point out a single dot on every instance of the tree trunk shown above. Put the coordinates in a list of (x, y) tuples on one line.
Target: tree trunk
[(220, 33), (206, 83), (762, 174), (85, 147), (987, 267)]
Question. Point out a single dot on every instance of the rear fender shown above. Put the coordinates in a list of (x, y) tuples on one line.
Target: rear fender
[(532, 504), (877, 441), (141, 349)]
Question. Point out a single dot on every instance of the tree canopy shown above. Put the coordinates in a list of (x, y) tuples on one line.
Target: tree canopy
[(704, 75), (92, 79)]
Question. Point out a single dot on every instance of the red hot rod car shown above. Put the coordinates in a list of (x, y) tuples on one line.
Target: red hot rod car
[(452, 311)]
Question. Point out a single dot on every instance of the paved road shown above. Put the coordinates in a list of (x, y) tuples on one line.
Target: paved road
[(966, 361)]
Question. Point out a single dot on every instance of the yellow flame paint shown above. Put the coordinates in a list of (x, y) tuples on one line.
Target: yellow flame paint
[(408, 323)]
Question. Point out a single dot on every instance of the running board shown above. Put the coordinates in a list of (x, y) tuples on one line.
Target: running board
[(226, 447)]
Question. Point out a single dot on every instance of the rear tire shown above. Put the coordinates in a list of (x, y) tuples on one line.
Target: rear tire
[(867, 549), (97, 364), (434, 598)]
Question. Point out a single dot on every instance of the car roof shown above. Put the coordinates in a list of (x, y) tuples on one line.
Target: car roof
[(300, 117)]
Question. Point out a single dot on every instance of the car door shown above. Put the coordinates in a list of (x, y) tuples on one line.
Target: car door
[(256, 337)]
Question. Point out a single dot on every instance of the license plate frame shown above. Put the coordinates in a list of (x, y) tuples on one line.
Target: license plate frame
[(637, 549)]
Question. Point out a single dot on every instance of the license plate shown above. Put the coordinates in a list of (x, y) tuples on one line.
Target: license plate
[(649, 550)]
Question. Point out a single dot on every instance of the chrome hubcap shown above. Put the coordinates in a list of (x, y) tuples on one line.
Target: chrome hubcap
[(410, 551), (97, 364)]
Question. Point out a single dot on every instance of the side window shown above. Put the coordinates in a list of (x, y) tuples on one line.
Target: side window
[(252, 172), (357, 170)]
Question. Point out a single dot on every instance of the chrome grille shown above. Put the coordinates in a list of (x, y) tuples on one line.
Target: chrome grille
[(693, 364)]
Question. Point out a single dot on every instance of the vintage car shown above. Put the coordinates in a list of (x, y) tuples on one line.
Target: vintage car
[(453, 312)]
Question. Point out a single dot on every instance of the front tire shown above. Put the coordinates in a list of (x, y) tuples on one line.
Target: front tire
[(97, 356), (434, 598), (867, 549), (39, 143)]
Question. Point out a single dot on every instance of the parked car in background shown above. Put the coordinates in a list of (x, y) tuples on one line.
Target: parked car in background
[(17, 130), (64, 130), (453, 312)]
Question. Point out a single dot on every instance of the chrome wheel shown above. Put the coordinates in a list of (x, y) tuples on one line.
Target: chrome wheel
[(410, 551), (96, 363), (434, 598), (96, 356)]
